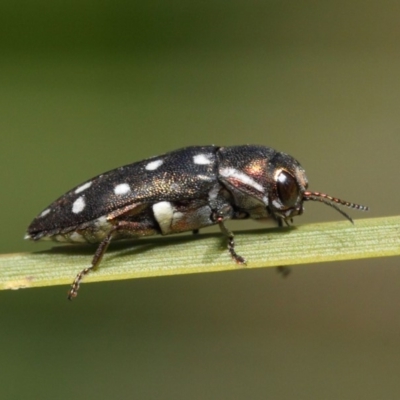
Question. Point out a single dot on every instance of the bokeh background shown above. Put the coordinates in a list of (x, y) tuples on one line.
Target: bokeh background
[(88, 86)]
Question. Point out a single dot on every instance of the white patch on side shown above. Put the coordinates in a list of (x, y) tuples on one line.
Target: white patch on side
[(265, 200), (121, 189), (83, 187), (77, 237), (240, 176), (79, 205), (152, 165), (202, 159), (102, 227), (102, 222), (164, 214), (44, 213)]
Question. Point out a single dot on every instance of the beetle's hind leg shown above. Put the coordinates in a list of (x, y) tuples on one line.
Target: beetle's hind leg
[(98, 255), (125, 228)]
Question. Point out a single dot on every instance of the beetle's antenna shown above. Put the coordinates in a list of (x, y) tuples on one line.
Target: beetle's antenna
[(333, 202)]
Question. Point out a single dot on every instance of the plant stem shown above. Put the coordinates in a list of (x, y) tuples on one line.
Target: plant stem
[(332, 241)]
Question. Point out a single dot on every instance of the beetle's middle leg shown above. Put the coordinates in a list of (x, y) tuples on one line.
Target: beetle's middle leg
[(219, 216)]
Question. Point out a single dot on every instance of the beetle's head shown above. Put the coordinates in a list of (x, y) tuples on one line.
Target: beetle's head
[(289, 190)]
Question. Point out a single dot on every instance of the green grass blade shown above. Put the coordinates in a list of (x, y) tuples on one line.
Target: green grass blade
[(332, 241)]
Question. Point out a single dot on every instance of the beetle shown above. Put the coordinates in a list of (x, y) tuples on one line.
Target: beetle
[(183, 190)]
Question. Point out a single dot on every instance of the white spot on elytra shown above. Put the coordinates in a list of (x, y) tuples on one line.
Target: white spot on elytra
[(242, 177), (79, 205), (164, 213), (202, 159), (122, 188), (44, 213), (83, 187), (153, 165)]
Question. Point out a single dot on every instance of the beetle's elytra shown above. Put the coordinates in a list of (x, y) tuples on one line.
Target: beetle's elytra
[(180, 191)]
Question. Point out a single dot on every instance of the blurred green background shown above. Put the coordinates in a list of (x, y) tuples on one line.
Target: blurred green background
[(88, 86)]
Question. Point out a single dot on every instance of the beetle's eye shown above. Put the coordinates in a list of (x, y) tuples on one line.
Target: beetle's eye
[(288, 190)]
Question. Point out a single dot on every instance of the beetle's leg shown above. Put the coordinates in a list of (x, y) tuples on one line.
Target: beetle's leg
[(128, 226), (226, 212), (231, 242), (280, 221), (98, 255)]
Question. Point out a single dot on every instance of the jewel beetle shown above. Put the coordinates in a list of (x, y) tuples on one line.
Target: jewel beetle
[(183, 190)]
